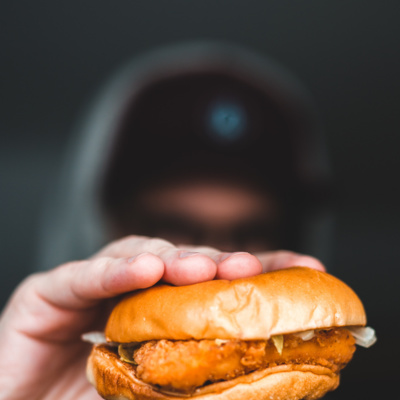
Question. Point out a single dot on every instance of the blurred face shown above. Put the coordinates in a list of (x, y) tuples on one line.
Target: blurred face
[(228, 216)]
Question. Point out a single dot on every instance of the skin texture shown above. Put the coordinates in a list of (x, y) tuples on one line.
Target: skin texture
[(41, 353)]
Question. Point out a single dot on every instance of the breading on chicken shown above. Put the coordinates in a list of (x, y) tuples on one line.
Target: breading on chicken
[(183, 366)]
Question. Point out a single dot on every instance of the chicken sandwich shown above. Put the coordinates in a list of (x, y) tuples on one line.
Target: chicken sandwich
[(281, 335)]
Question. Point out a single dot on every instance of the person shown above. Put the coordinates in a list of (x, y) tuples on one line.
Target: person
[(198, 163)]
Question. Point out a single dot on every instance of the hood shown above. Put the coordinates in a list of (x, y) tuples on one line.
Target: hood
[(75, 222)]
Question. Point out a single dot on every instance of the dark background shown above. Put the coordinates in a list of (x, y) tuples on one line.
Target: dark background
[(55, 55)]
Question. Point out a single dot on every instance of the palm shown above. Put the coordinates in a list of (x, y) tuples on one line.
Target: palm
[(68, 376), (73, 383), (56, 366), (69, 380)]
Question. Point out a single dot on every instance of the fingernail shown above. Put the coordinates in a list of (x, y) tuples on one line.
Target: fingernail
[(188, 254), (224, 256), (132, 259)]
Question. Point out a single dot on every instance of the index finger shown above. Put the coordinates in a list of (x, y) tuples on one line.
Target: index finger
[(82, 284)]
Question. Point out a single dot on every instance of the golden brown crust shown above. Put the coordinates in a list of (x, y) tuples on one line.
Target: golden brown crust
[(116, 380), (185, 365), (274, 303)]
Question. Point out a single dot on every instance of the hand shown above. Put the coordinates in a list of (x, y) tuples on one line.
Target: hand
[(41, 353)]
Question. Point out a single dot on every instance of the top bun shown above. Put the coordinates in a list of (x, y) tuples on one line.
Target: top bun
[(275, 303)]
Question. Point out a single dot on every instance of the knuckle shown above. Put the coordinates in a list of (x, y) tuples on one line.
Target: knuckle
[(156, 244), (123, 242), (101, 263), (29, 283), (129, 239)]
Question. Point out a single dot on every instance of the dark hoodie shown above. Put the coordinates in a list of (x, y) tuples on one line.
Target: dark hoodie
[(169, 102)]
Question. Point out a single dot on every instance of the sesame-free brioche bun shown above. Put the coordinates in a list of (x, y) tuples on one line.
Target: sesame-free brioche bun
[(290, 300), (116, 380), (256, 308)]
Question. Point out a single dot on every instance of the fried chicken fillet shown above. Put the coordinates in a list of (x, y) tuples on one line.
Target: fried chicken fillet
[(185, 365)]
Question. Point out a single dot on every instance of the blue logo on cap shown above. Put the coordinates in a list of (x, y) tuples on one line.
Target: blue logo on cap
[(227, 121)]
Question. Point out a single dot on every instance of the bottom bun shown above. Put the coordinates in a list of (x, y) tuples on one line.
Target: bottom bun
[(116, 380)]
